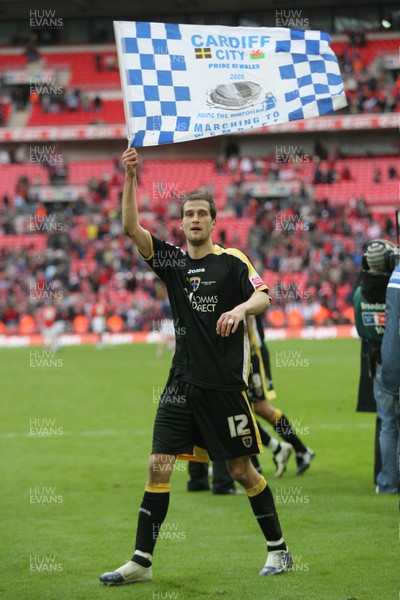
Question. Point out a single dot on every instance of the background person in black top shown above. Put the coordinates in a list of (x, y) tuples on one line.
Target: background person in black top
[(203, 411), (261, 392)]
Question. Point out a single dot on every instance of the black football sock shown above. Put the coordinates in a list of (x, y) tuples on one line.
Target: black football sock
[(152, 513), (264, 435), (267, 440), (284, 429), (262, 503)]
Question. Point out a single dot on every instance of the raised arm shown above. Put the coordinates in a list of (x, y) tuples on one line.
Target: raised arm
[(130, 217)]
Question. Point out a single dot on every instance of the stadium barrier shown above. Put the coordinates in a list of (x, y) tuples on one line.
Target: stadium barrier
[(140, 337)]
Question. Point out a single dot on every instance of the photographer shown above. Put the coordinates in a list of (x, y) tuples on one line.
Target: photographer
[(369, 310)]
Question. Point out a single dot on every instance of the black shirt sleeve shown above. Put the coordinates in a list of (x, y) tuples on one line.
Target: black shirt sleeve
[(250, 280), (164, 257)]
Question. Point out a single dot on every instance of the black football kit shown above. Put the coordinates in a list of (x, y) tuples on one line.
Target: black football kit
[(204, 405)]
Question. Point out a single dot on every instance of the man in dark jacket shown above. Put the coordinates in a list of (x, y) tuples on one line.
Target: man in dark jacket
[(391, 372), (369, 310)]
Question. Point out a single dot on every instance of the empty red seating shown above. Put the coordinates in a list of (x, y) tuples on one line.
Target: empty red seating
[(6, 109), (12, 61), (80, 171), (372, 49), (362, 182), (83, 68), (164, 181), (9, 175), (112, 111)]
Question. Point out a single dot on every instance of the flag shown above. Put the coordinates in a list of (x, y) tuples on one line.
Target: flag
[(186, 82)]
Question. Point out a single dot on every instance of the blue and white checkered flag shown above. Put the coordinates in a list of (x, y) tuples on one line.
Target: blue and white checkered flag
[(185, 82)]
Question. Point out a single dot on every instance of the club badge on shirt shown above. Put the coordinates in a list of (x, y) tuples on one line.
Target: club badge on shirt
[(194, 283)]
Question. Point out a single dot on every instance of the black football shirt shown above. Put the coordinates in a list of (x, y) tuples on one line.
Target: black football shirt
[(199, 292)]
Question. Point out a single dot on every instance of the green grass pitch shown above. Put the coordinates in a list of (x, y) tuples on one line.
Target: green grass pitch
[(69, 500)]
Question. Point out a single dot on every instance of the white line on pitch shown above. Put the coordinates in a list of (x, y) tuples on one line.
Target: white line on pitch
[(136, 432)]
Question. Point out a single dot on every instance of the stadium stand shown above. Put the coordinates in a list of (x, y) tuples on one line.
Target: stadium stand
[(95, 70), (321, 263), (76, 251), (370, 86), (111, 111)]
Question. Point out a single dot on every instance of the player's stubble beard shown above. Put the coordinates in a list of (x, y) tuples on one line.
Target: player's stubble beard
[(196, 243)]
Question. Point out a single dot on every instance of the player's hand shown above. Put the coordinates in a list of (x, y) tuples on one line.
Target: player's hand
[(130, 158), (229, 321)]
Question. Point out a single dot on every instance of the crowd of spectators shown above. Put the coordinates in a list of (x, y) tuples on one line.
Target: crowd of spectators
[(314, 248), (87, 261), (310, 251), (370, 88), (62, 100)]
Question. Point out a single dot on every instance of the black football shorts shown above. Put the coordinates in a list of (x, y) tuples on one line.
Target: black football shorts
[(195, 421)]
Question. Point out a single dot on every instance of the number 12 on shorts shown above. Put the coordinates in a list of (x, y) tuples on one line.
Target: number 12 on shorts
[(237, 425)]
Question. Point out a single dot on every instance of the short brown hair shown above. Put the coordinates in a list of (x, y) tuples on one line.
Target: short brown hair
[(199, 195)]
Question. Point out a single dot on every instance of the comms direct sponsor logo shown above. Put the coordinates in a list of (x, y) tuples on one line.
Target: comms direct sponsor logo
[(203, 303)]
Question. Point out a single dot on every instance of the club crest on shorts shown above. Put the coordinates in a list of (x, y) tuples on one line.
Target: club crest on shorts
[(247, 441), (195, 283)]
